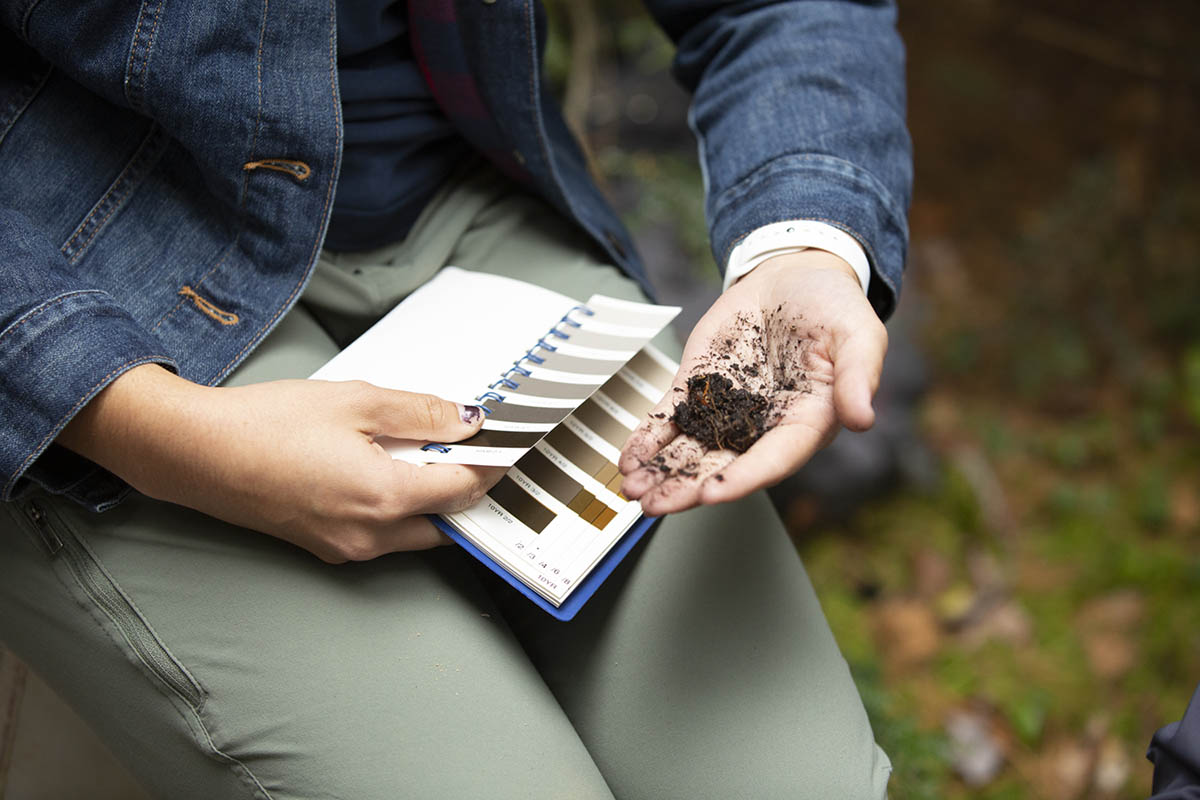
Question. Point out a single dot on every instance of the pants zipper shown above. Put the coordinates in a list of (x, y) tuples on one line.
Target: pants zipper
[(98, 586)]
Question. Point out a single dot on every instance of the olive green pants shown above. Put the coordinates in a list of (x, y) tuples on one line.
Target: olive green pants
[(221, 663)]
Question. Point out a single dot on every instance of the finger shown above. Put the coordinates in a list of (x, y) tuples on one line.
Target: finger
[(410, 415), (857, 365), (443, 488), (651, 473), (779, 453), (411, 533), (681, 489), (655, 432)]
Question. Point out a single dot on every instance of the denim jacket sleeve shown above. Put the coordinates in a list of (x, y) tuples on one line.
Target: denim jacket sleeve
[(799, 112), (61, 342)]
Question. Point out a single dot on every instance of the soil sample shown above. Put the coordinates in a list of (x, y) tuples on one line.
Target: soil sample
[(720, 416)]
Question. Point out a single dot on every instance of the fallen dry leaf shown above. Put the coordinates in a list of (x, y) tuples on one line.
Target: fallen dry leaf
[(1111, 653), (1006, 622), (906, 632), (1122, 610), (1063, 770), (1185, 505), (931, 573)]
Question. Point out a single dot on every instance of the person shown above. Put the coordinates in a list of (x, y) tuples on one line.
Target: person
[(1175, 752), (201, 203)]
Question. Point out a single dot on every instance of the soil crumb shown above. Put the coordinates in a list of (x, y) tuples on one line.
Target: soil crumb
[(721, 416)]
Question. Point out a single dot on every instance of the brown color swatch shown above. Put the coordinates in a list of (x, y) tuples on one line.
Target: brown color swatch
[(606, 472), (602, 424), (620, 392), (511, 412), (576, 450), (593, 510), (521, 504), (561, 486), (651, 371), (581, 501), (491, 438), (546, 474)]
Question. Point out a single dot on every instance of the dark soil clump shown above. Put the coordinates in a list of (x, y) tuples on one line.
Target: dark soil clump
[(720, 416)]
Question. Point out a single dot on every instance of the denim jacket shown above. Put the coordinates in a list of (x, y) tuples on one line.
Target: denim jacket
[(167, 169)]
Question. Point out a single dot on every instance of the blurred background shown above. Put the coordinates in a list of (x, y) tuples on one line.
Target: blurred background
[(1011, 559)]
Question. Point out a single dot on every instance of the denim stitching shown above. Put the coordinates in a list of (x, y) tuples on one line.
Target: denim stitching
[(244, 196), (208, 307), (140, 50), (149, 151), (182, 302), (46, 306), (62, 423), (262, 35), (288, 166), (328, 197), (817, 161), (25, 15)]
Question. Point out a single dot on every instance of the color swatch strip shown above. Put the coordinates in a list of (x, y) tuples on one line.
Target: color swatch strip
[(508, 412), (646, 317), (521, 504), (578, 452), (605, 341), (602, 424), (552, 389), (651, 371), (576, 364), (620, 392), (493, 438), (565, 489)]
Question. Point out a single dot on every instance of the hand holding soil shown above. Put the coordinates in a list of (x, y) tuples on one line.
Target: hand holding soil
[(781, 361)]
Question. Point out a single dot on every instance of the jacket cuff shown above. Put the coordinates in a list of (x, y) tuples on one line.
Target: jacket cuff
[(824, 189), (53, 360)]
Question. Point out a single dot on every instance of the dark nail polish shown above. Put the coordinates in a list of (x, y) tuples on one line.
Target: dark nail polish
[(469, 414)]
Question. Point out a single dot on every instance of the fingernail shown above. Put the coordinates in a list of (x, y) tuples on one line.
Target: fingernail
[(469, 414)]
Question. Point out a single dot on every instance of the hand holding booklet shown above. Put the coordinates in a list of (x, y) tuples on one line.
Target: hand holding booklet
[(563, 385)]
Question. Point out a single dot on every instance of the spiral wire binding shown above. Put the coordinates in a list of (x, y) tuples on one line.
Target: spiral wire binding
[(507, 382)]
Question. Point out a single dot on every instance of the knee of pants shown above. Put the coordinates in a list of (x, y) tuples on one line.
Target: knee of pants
[(855, 778), (851, 778)]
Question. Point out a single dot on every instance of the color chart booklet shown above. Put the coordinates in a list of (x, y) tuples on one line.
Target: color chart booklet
[(563, 385)]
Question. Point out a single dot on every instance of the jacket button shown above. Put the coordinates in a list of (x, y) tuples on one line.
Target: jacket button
[(612, 239), (488, 2), (517, 155)]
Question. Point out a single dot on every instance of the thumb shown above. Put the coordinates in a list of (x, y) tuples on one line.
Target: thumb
[(858, 363), (408, 415)]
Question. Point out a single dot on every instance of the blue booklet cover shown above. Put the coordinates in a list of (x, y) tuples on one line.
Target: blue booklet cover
[(583, 591)]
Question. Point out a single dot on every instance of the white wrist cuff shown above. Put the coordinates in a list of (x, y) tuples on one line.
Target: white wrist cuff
[(792, 236)]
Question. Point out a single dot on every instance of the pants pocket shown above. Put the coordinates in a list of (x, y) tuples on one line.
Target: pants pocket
[(94, 588)]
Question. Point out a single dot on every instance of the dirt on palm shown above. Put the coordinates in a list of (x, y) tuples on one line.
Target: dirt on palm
[(721, 416)]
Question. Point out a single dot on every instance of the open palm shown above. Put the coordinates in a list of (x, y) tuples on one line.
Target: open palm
[(802, 350)]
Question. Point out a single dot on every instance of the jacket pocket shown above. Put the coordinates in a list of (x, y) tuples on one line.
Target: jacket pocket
[(92, 585)]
